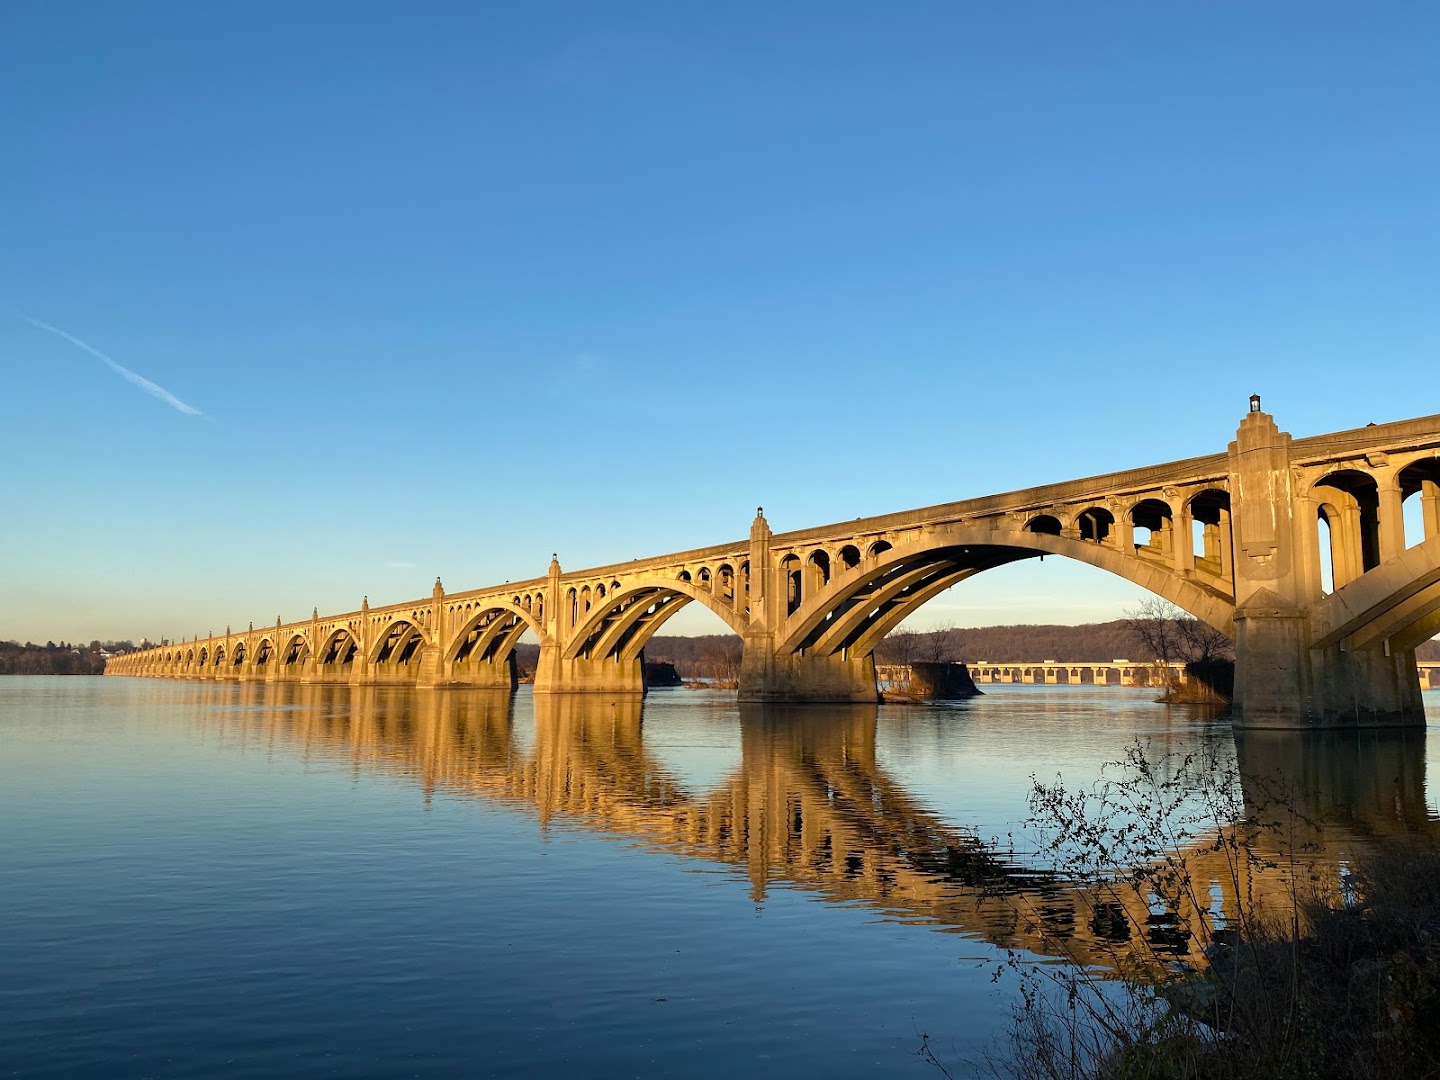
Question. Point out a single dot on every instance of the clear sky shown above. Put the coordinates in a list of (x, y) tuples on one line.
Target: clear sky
[(391, 291)]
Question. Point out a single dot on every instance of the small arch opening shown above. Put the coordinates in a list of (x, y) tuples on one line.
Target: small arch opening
[(1045, 523), (1420, 500), (1153, 522), (1095, 524)]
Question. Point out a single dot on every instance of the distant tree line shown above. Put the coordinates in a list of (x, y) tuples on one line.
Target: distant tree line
[(58, 659)]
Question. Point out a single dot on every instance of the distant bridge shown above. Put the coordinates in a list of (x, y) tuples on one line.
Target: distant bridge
[(1232, 538), (1052, 672)]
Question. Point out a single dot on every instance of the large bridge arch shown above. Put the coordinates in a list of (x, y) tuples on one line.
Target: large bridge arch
[(631, 615), (493, 619), (866, 601), (398, 641)]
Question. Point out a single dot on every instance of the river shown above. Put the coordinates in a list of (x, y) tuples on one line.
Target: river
[(242, 880)]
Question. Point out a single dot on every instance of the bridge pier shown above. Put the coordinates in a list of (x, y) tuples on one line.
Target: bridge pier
[(1287, 675), (557, 674), (766, 675)]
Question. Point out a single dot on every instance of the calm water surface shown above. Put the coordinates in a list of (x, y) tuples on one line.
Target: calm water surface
[(210, 880)]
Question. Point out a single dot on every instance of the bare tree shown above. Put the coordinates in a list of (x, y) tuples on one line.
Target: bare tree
[(901, 645), (1171, 635), (940, 645), (1153, 624), (1201, 642)]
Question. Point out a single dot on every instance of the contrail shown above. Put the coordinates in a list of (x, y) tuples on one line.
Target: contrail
[(125, 373)]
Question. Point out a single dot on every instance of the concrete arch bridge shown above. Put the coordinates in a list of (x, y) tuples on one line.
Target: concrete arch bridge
[(1234, 538)]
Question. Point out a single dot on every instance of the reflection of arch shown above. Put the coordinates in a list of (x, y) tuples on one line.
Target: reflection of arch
[(878, 595), (634, 614)]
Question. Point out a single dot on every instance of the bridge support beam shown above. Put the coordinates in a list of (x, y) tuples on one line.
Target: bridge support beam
[(1280, 682)]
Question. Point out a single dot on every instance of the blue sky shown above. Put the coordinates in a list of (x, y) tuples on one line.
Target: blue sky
[(452, 286)]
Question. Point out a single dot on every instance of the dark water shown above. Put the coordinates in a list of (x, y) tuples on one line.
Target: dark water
[(201, 880)]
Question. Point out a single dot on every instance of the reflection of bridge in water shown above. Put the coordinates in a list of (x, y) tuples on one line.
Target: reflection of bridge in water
[(809, 805)]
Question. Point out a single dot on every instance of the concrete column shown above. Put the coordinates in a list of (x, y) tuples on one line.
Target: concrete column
[(1182, 542), (1307, 546), (1430, 508), (1124, 531), (1392, 515), (549, 676), (272, 666), (1227, 547), (432, 666), (360, 667), (1351, 547)]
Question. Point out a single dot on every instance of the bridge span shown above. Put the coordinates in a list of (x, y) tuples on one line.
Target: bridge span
[(1233, 538)]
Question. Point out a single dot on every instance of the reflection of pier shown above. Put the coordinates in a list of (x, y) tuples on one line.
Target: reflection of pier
[(809, 805)]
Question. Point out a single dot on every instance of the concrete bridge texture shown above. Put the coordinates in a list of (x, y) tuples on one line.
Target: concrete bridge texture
[(1233, 538)]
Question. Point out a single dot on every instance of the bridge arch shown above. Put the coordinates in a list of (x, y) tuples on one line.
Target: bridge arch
[(634, 614), (337, 652), (295, 651), (1348, 506), (398, 642), (866, 602), (1421, 478), (490, 631), (1044, 523)]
